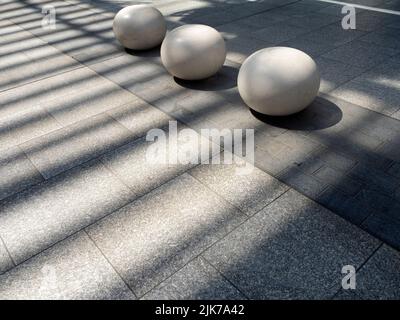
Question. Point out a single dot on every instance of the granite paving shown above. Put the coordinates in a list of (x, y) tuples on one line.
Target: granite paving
[(94, 206)]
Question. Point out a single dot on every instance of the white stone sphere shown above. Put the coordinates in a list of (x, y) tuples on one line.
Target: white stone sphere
[(193, 52), (139, 27), (278, 81)]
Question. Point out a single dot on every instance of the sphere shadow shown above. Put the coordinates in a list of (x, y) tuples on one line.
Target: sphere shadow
[(320, 114), (225, 78), (150, 53)]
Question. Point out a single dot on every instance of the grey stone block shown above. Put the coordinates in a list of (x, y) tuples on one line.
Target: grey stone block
[(38, 92), (379, 279), (195, 281), (244, 186), (17, 172), (279, 32), (198, 218), (5, 259), (73, 269), (25, 125), (390, 150), (73, 145), (240, 47), (312, 20), (137, 165), (33, 220), (338, 180), (291, 234), (374, 89), (139, 117), (384, 227), (334, 34), (88, 102), (302, 182), (395, 170), (385, 37), (335, 73), (351, 208), (312, 48), (375, 179), (361, 54)]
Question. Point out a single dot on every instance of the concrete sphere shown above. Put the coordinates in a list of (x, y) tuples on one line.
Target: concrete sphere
[(193, 52), (278, 81), (139, 27)]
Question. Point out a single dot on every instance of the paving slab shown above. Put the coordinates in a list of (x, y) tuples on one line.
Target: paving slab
[(73, 269), (244, 186), (23, 126), (276, 254), (198, 218), (71, 146), (5, 259), (352, 208), (144, 165), (88, 102), (361, 54), (36, 218), (62, 85), (335, 73), (17, 172), (386, 37), (384, 227), (139, 117), (198, 280), (334, 34), (379, 279), (279, 32)]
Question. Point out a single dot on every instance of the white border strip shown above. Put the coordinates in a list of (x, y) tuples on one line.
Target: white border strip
[(397, 13)]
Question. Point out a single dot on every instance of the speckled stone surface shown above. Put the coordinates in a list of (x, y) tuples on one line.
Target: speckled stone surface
[(22, 126), (16, 172), (88, 102), (379, 278), (66, 148), (73, 95), (198, 280), (140, 117), (5, 259), (135, 165), (293, 248), (244, 186), (35, 93), (173, 224), (72, 269), (32, 220)]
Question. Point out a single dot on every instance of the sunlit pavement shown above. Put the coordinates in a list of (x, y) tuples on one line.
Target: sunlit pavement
[(84, 215)]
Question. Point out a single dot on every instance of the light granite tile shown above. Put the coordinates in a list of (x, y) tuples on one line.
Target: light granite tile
[(16, 172), (5, 259), (292, 249), (73, 269), (23, 126), (87, 102), (241, 184), (195, 281), (62, 85), (379, 278), (146, 164), (139, 117), (66, 148), (34, 219), (172, 224)]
